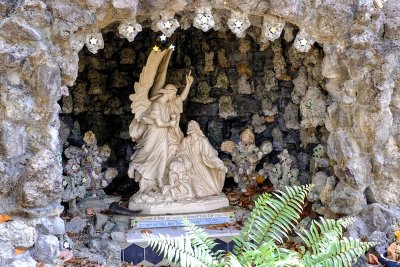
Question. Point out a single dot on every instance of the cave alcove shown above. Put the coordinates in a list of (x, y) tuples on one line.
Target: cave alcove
[(241, 83)]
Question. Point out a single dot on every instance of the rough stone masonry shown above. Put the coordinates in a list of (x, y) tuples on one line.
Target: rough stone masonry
[(39, 45)]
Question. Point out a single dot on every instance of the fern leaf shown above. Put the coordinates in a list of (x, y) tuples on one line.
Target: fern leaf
[(194, 249), (337, 253), (272, 217), (233, 261), (321, 232), (176, 249), (242, 241), (269, 255), (200, 239)]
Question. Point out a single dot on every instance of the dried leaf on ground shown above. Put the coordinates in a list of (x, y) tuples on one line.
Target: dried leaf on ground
[(397, 235), (391, 251), (269, 119), (90, 211), (260, 179), (81, 262), (5, 218), (246, 199), (372, 259), (223, 226), (20, 250), (66, 255)]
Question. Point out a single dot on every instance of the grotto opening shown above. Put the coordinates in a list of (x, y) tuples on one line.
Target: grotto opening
[(288, 94), (235, 93)]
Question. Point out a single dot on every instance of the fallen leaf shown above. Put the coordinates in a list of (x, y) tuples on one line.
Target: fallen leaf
[(397, 235), (146, 231), (260, 179), (233, 197), (250, 191), (90, 211), (66, 255), (391, 251), (372, 259), (267, 189), (269, 118), (283, 77), (20, 250), (5, 218)]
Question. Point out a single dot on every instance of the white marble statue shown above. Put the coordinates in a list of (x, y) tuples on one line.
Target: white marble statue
[(196, 171), (175, 174), (207, 171), (156, 124)]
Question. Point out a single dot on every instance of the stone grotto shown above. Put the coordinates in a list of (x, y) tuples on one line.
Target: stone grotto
[(288, 92)]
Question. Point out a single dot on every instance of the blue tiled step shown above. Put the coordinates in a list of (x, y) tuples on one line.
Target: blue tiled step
[(139, 253)]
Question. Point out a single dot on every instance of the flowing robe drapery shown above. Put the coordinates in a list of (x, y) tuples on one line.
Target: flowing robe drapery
[(152, 151), (207, 173)]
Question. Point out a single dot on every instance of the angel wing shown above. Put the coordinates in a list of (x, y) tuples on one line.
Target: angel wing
[(140, 99), (161, 74)]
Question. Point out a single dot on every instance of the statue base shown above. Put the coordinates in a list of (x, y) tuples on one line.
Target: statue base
[(155, 203)]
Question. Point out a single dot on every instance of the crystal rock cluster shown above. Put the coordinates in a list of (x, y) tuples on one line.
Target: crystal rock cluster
[(129, 30), (281, 174), (204, 19), (245, 156), (83, 171)]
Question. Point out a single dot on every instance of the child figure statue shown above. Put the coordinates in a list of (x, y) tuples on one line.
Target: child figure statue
[(180, 186)]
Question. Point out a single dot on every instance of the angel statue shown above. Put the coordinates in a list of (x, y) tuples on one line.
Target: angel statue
[(155, 127)]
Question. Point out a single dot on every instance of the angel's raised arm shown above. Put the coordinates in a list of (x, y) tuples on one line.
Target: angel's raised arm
[(189, 82)]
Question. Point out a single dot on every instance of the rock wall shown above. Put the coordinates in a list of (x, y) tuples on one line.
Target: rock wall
[(39, 46)]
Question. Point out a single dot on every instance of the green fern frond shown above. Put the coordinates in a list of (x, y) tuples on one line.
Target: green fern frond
[(242, 241), (200, 239), (272, 217), (320, 232), (232, 261), (337, 253), (270, 255), (180, 249)]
